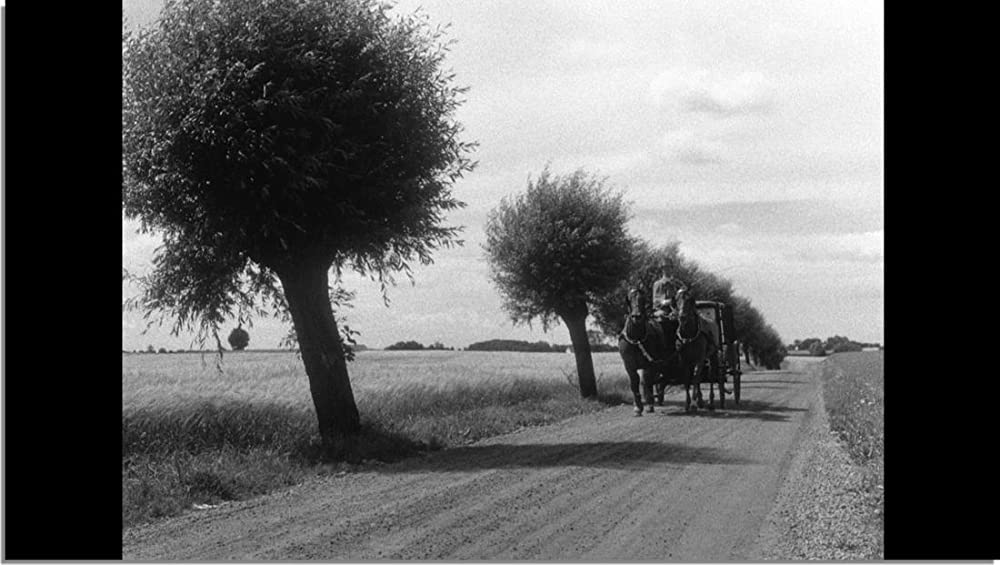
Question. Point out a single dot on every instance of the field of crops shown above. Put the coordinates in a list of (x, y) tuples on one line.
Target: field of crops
[(280, 378), (194, 435)]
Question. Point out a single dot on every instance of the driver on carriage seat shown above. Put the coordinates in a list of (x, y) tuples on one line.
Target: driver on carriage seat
[(663, 304)]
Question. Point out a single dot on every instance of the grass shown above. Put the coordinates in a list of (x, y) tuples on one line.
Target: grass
[(192, 436), (853, 387)]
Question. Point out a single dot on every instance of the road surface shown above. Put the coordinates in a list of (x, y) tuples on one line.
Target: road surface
[(607, 486)]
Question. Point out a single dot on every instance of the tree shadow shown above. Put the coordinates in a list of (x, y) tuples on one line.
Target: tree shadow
[(624, 455)]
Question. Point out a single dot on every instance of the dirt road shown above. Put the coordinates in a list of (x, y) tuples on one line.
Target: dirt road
[(601, 487)]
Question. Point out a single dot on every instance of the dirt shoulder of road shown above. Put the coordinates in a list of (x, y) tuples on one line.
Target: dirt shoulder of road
[(820, 510)]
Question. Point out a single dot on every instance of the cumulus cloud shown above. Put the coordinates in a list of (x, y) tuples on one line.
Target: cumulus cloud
[(713, 92)]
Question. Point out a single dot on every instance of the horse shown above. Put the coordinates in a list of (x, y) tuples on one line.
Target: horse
[(694, 347), (644, 350)]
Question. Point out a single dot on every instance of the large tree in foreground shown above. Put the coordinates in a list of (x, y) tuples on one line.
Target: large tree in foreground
[(554, 249), (270, 141)]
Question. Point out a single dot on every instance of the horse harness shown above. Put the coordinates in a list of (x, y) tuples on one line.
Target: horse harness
[(642, 348)]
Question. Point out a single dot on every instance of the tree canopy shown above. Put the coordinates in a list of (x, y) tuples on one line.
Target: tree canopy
[(258, 136), (557, 246)]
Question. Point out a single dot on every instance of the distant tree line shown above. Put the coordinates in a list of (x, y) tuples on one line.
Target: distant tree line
[(505, 345), (835, 344), (417, 346), (516, 345)]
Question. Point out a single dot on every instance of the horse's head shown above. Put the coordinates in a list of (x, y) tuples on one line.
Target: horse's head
[(684, 301), (635, 302)]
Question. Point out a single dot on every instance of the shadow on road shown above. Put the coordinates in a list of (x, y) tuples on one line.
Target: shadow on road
[(748, 409), (770, 381), (626, 455)]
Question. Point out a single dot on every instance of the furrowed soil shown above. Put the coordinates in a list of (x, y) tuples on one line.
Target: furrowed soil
[(606, 486)]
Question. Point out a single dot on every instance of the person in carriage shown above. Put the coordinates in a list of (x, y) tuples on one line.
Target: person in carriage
[(664, 289)]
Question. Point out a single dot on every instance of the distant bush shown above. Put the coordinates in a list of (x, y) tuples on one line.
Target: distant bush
[(817, 349), (239, 339), (405, 346)]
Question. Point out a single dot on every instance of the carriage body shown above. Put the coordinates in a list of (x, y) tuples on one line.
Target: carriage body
[(726, 364)]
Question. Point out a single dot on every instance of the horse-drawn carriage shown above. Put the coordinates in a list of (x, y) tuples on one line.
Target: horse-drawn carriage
[(695, 345), (726, 362)]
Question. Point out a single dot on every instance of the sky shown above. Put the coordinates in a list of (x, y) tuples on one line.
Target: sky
[(750, 132)]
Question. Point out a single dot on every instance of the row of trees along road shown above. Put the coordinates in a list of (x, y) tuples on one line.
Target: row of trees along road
[(270, 142), (562, 250)]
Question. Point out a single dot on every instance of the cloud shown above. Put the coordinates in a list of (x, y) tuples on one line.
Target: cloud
[(713, 92), (779, 218), (692, 147), (864, 248)]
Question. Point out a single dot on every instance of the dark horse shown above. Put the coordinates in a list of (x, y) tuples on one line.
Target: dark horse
[(694, 348), (645, 351)]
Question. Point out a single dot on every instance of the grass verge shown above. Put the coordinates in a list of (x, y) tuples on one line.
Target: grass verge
[(853, 388)]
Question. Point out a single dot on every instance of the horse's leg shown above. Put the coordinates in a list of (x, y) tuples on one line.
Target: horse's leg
[(687, 396), (647, 376), (698, 368), (633, 383), (690, 400), (711, 393)]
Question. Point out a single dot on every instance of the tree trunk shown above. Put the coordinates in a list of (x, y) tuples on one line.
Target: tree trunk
[(306, 290), (576, 322)]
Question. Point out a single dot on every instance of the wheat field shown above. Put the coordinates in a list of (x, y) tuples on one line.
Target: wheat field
[(151, 381)]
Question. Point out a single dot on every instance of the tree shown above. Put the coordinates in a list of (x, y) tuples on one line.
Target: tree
[(405, 346), (807, 344), (239, 339), (556, 248), (848, 346), (268, 142)]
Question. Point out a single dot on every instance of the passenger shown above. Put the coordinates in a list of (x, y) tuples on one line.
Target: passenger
[(663, 292)]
